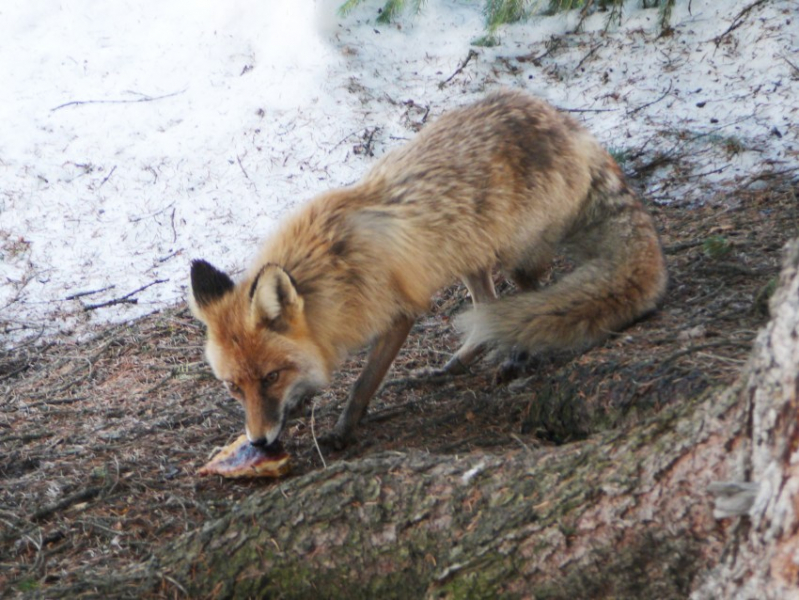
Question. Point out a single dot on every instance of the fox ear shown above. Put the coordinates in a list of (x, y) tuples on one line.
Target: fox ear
[(274, 299), (208, 284)]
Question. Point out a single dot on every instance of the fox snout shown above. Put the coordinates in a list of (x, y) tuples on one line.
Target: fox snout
[(260, 433), (263, 419), (263, 411)]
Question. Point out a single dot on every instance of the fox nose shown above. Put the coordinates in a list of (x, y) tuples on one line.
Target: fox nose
[(262, 439), (259, 441)]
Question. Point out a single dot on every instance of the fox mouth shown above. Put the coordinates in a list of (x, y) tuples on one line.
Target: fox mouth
[(273, 449)]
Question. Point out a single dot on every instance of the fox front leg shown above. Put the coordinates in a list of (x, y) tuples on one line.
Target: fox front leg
[(379, 360)]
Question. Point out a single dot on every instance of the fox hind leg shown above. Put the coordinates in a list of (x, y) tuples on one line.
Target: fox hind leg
[(526, 274), (481, 288)]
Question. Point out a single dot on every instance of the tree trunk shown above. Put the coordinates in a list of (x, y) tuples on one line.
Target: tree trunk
[(765, 560), (625, 514)]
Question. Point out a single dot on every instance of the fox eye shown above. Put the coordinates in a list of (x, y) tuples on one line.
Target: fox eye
[(233, 389), (270, 378)]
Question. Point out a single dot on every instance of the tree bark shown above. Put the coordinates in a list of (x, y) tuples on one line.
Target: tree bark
[(625, 514), (765, 560)]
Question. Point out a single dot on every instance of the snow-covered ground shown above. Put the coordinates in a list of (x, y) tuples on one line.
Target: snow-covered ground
[(136, 136)]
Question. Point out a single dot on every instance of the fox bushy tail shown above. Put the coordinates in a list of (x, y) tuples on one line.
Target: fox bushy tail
[(604, 294)]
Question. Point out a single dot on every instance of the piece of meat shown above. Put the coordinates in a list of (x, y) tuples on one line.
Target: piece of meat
[(242, 459)]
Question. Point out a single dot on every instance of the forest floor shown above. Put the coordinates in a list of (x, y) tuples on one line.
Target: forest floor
[(101, 439)]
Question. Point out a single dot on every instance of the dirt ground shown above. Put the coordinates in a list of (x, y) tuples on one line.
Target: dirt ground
[(100, 440)]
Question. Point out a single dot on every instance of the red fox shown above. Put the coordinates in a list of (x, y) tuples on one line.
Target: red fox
[(506, 181)]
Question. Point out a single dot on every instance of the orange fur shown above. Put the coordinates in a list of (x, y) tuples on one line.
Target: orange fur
[(506, 181)]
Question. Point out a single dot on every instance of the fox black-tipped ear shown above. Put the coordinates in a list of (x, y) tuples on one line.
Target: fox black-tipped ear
[(275, 301), (208, 284)]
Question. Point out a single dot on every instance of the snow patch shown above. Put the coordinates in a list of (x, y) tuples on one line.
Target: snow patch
[(140, 135)]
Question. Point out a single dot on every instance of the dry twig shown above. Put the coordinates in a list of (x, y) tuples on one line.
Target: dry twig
[(472, 54), (738, 20), (126, 299), (134, 101)]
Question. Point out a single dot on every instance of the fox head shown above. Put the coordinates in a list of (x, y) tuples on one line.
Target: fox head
[(258, 343)]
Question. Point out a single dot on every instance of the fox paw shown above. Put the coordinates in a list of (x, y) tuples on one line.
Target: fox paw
[(454, 367), (335, 440), (516, 365), (430, 373)]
